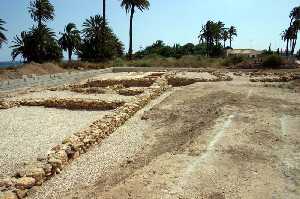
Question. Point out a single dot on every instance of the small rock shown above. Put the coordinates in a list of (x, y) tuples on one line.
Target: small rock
[(63, 156), (25, 183), (33, 171), (8, 195), (22, 193), (6, 182), (56, 163)]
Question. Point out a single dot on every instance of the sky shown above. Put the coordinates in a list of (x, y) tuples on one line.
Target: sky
[(259, 22)]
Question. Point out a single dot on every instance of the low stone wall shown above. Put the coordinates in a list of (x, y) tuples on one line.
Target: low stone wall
[(72, 104), (272, 77), (137, 82), (35, 173), (91, 90), (130, 91), (183, 81)]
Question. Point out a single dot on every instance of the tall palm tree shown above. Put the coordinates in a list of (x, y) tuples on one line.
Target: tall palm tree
[(70, 39), (21, 46), (2, 36), (225, 36), (295, 15), (295, 28), (287, 36), (91, 47), (129, 6), (41, 11), (232, 32), (218, 27)]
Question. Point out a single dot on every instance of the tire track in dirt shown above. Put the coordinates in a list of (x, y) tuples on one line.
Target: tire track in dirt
[(197, 162)]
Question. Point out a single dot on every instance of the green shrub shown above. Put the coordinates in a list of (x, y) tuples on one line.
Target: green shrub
[(298, 54), (119, 62), (273, 61), (233, 60), (141, 63)]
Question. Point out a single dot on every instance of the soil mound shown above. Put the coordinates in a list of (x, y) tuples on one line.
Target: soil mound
[(30, 69)]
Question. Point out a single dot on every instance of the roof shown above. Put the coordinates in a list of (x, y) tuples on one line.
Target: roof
[(243, 51)]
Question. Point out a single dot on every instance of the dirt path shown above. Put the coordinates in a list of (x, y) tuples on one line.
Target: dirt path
[(206, 140)]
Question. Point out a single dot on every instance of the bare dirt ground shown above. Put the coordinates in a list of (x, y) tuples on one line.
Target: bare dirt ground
[(207, 140)]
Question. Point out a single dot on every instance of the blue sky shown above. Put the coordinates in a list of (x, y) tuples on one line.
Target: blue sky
[(259, 22)]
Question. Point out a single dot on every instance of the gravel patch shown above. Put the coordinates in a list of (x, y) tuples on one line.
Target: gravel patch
[(201, 75), (122, 75), (124, 143), (29, 132), (68, 94)]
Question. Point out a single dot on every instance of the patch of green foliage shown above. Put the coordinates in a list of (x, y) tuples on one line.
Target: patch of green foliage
[(39, 44), (177, 51), (233, 60), (91, 48), (273, 61), (298, 54)]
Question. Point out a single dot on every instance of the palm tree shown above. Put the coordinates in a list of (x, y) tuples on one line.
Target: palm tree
[(20, 46), (38, 45), (218, 28), (91, 45), (295, 14), (232, 32), (2, 36), (41, 11), (70, 39), (130, 6), (287, 36), (225, 36), (295, 28)]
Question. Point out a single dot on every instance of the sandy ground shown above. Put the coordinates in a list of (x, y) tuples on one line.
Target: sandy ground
[(29, 132), (207, 140)]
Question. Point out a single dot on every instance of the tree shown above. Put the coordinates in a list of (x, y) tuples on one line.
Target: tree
[(295, 15), (232, 32), (41, 11), (295, 28), (286, 35), (290, 35), (91, 47), (70, 39), (225, 36), (2, 36), (211, 34), (129, 6), (39, 44)]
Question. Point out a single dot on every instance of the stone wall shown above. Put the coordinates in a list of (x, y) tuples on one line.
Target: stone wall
[(272, 77), (72, 104), (60, 156)]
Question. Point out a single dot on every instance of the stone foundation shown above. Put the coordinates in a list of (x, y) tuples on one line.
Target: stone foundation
[(35, 173), (72, 104)]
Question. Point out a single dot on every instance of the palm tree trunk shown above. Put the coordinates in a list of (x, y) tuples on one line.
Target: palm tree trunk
[(103, 28), (70, 54), (224, 43), (287, 47), (130, 34), (230, 39), (104, 10), (294, 42)]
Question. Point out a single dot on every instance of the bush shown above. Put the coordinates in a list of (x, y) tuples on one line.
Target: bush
[(273, 61), (298, 54), (119, 62), (233, 60)]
